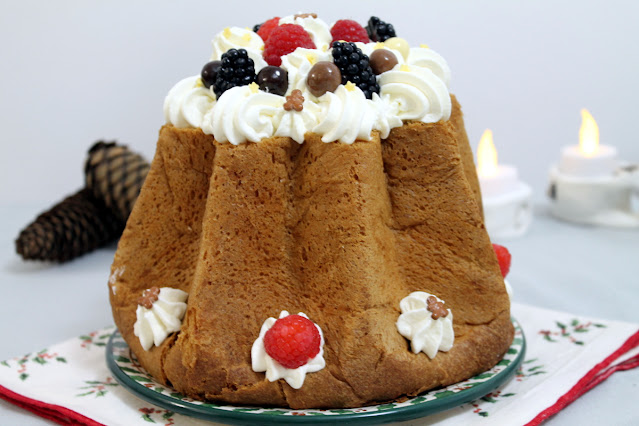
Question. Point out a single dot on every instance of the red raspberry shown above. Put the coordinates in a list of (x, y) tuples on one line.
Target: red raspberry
[(283, 40), (267, 27), (503, 256), (348, 30), (292, 341)]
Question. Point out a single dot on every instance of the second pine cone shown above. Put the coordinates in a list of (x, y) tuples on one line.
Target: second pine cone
[(115, 175)]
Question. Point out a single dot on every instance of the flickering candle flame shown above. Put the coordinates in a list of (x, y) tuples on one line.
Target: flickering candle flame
[(588, 134), (487, 155)]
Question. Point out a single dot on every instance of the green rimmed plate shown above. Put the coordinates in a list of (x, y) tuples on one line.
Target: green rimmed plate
[(130, 374)]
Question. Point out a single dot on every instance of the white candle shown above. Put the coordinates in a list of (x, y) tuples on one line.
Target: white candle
[(574, 163), (507, 207), (588, 187), (494, 179), (503, 181), (588, 159)]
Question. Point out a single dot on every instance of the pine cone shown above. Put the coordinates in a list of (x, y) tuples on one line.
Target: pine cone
[(73, 227), (115, 175)]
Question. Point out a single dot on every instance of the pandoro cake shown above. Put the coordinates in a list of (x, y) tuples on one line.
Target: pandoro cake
[(310, 232)]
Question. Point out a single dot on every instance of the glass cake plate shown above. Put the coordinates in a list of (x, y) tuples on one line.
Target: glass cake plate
[(130, 374)]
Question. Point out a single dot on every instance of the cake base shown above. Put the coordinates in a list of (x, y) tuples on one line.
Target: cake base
[(128, 372)]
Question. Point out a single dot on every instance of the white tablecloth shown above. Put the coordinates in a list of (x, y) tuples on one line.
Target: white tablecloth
[(592, 272)]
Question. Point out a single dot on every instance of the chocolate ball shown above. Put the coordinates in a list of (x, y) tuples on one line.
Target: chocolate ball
[(323, 77), (273, 79), (209, 73), (382, 60)]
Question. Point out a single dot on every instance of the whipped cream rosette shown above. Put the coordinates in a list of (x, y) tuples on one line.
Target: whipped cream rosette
[(424, 57), (427, 332), (261, 361), (163, 317), (295, 124), (239, 38), (244, 113), (187, 103), (417, 92), (346, 115)]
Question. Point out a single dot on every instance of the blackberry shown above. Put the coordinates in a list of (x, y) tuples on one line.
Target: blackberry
[(237, 69), (355, 67), (379, 30)]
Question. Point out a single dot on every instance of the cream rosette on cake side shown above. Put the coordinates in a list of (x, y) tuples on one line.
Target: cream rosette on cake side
[(427, 332), (261, 361), (154, 324)]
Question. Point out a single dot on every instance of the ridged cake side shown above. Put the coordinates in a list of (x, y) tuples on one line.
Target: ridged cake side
[(339, 232), (465, 152)]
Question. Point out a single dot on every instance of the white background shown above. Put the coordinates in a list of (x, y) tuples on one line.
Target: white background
[(72, 72)]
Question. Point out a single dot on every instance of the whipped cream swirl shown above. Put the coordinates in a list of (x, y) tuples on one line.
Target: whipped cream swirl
[(346, 115), (387, 118), (295, 124), (244, 113), (239, 38), (427, 58), (417, 92), (262, 362), (187, 103), (417, 325), (165, 316)]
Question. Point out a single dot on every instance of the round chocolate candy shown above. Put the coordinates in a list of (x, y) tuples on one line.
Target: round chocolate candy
[(273, 79), (209, 73), (382, 60), (323, 77)]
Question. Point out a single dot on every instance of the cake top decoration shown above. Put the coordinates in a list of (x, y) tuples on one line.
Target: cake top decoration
[(392, 82)]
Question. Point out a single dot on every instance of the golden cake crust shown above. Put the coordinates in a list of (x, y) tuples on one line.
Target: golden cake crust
[(339, 232)]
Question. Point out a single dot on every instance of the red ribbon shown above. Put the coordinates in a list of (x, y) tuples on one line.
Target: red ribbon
[(596, 375), (55, 413)]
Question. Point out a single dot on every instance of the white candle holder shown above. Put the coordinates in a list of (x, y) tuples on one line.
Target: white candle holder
[(605, 200), (508, 215), (506, 200)]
